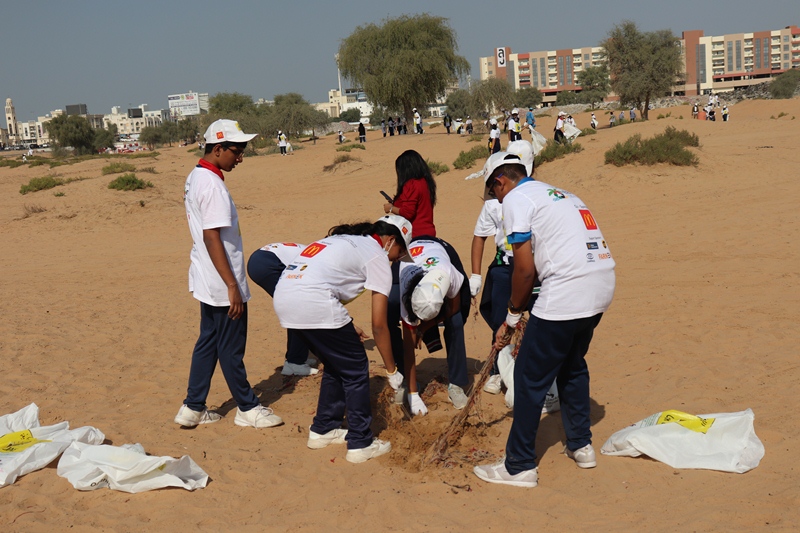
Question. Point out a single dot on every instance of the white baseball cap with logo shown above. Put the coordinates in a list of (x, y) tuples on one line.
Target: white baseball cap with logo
[(405, 230), (497, 160), (430, 294), (224, 130), (524, 150)]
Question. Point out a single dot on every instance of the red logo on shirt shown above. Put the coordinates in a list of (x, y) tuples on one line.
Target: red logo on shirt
[(588, 219), (220, 135), (289, 244), (312, 249), (416, 250)]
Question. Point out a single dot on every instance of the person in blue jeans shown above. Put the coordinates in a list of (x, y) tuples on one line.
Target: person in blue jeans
[(265, 267)]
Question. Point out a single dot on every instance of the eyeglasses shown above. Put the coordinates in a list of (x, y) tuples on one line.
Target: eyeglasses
[(237, 152), (491, 185)]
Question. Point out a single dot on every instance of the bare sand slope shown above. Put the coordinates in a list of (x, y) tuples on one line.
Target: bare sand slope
[(98, 329)]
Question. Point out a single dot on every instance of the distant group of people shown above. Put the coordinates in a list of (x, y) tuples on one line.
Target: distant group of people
[(710, 109), (400, 125), (416, 281)]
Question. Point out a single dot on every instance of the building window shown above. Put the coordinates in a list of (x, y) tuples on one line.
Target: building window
[(561, 70), (729, 61), (738, 56), (785, 47), (586, 57), (758, 53), (542, 70), (491, 72), (701, 63), (490, 63), (766, 52)]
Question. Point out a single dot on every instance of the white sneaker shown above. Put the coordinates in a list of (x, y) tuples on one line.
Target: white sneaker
[(376, 449), (457, 396), (416, 404), (257, 417), (583, 457), (497, 473), (493, 384), (188, 418), (291, 369), (317, 441)]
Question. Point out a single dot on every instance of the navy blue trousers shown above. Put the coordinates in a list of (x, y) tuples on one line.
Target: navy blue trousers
[(265, 268), (221, 339), (345, 383), (550, 350)]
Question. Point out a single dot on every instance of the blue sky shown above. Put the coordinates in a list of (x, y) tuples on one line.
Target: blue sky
[(105, 53)]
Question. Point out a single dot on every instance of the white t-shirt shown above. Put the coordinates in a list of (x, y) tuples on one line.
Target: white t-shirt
[(209, 205), (282, 140), (286, 251), (329, 273), (494, 133), (514, 125), (416, 118), (572, 258), (490, 224), (560, 124), (428, 255)]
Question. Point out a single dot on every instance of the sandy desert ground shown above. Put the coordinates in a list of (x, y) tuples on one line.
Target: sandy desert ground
[(100, 326)]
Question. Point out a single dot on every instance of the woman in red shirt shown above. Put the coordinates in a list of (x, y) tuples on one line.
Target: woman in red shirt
[(416, 193)]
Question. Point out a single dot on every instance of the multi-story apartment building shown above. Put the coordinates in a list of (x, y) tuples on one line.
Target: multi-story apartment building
[(711, 63)]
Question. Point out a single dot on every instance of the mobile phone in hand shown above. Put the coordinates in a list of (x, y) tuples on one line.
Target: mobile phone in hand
[(388, 198)]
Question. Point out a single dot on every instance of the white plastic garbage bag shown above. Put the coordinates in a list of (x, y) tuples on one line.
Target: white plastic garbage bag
[(571, 132), (127, 468), (505, 365), (720, 441), (25, 446), (538, 141)]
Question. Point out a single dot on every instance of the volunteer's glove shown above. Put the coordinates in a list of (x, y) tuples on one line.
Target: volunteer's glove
[(395, 380), (416, 404), (475, 284)]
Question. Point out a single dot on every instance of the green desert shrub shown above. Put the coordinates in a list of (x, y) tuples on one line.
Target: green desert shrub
[(588, 131), (41, 184), (467, 159), (437, 167), (338, 160), (118, 167), (553, 151), (10, 163), (785, 85), (351, 147), (667, 147), (128, 182), (475, 137), (149, 170)]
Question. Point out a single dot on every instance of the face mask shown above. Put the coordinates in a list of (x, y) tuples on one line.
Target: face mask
[(387, 247)]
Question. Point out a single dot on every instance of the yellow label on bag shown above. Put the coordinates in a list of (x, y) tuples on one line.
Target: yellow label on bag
[(18, 441), (695, 423)]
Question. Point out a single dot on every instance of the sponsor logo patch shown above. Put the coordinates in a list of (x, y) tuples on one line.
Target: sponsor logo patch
[(604, 256), (415, 251), (431, 262), (588, 219), (220, 135), (313, 249), (556, 194), (590, 257), (404, 230), (592, 246), (291, 267), (604, 244)]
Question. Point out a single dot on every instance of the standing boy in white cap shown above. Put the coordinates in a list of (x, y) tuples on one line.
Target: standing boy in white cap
[(282, 142), (559, 136), (557, 239), (417, 122), (217, 278)]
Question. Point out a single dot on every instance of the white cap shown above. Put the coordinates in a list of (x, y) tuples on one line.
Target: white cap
[(562, 114), (515, 111), (524, 150), (497, 160), (429, 295), (405, 230), (493, 122), (224, 130), (414, 109)]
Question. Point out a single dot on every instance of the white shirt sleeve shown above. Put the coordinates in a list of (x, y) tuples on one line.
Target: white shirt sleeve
[(379, 275), (215, 205), (486, 225)]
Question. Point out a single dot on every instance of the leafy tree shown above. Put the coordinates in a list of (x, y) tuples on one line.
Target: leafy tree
[(104, 138), (642, 65), (459, 104), (72, 131), (230, 105), (187, 129), (784, 86), (294, 115), (351, 115), (169, 132), (566, 98), (594, 83), (406, 62), (151, 136), (529, 97), (492, 94)]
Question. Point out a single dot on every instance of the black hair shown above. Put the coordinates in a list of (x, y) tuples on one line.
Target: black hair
[(225, 145), (514, 171), (410, 165), (368, 228), (409, 293)]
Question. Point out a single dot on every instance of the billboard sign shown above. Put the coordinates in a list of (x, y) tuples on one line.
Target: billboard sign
[(184, 105)]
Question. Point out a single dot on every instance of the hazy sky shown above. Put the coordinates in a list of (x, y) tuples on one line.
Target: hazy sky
[(105, 53)]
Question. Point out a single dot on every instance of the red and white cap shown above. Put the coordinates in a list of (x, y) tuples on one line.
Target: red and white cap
[(224, 130)]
